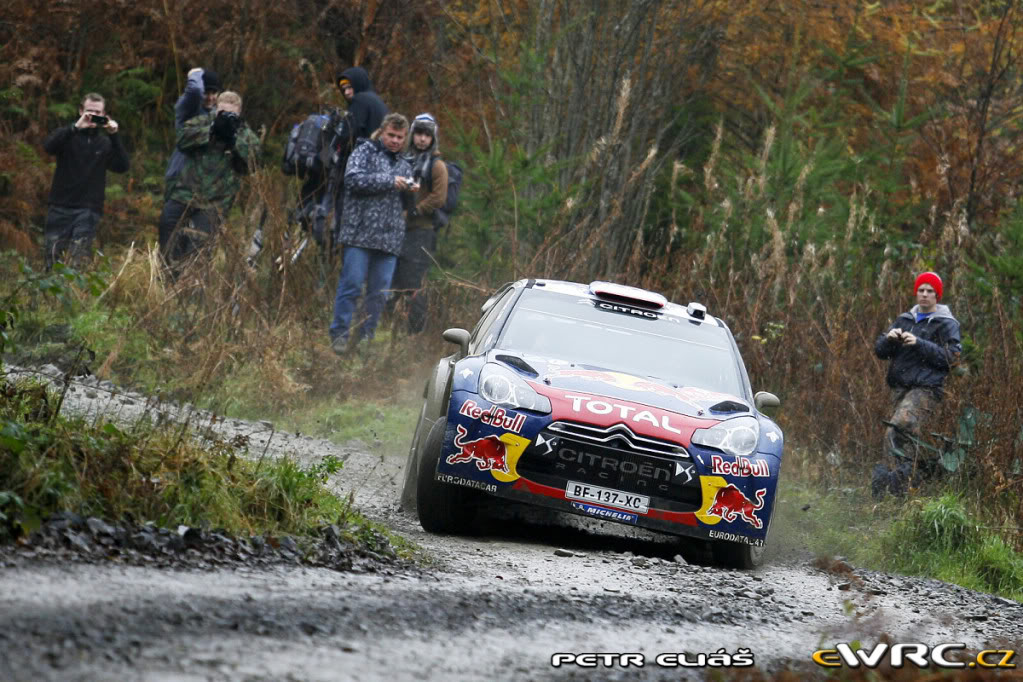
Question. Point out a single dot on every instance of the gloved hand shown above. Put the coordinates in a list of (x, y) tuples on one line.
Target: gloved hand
[(226, 125)]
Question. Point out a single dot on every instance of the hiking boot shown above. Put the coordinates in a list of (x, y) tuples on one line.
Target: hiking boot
[(879, 482), (339, 346)]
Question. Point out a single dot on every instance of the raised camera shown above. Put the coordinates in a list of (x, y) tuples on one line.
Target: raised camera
[(98, 119)]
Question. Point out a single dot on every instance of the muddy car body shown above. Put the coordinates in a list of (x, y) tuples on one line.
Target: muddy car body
[(600, 400)]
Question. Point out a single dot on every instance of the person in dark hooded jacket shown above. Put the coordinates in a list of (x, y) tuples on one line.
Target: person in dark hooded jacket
[(365, 109), (366, 112), (922, 345)]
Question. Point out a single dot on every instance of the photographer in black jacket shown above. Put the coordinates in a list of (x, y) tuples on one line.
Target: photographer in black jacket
[(84, 156), (922, 344)]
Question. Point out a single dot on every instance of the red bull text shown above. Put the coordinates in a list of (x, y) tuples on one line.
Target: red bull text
[(494, 415), (742, 466)]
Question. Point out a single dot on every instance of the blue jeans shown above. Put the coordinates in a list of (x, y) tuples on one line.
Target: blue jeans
[(361, 266)]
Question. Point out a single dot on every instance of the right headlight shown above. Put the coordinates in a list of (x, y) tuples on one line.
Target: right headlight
[(502, 386), (737, 436)]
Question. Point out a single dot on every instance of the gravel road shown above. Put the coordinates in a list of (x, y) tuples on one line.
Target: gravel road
[(495, 607)]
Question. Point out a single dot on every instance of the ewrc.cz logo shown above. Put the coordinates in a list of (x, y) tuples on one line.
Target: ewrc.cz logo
[(920, 655)]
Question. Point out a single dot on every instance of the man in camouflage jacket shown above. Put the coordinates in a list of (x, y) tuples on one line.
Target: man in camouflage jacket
[(372, 227), (219, 148)]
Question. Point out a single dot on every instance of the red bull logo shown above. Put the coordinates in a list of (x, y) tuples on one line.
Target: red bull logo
[(731, 502), (489, 453)]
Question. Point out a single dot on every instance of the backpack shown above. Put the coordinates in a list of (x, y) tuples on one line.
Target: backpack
[(305, 151), (442, 216)]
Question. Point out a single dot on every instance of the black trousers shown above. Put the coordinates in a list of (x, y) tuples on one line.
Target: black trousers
[(413, 264), (68, 235)]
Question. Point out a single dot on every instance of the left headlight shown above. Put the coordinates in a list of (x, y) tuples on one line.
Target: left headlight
[(502, 386), (737, 436)]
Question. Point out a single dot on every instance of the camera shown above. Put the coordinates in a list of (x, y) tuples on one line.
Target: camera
[(226, 125), (99, 119), (230, 119)]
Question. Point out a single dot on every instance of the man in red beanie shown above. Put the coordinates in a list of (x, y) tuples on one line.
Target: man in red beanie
[(923, 345)]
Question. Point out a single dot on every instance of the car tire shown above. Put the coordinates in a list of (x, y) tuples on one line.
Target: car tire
[(737, 555), (407, 498), (443, 509)]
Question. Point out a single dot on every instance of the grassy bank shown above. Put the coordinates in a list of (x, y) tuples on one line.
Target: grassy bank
[(937, 534), (50, 463)]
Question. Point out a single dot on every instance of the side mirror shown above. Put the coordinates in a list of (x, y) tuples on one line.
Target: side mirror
[(460, 337), (764, 399)]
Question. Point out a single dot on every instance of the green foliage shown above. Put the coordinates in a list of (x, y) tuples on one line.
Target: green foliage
[(939, 538), (61, 284), (63, 111), (386, 425), (1000, 261), (26, 153), (935, 537), (10, 101), (508, 200), (50, 463)]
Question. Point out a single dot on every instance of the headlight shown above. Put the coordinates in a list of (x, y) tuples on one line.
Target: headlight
[(737, 436), (502, 386)]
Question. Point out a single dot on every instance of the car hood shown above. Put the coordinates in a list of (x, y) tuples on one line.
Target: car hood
[(687, 400)]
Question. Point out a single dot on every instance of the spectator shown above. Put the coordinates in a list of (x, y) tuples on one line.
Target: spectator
[(365, 113), (372, 227), (199, 97), (76, 195), (421, 234), (922, 345), (366, 110), (218, 148)]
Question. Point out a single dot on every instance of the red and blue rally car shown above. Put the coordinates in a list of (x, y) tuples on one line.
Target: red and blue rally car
[(602, 400)]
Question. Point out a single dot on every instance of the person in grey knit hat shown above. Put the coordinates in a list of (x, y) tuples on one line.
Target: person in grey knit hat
[(421, 235)]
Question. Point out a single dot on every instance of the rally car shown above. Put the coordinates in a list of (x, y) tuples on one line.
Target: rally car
[(602, 400)]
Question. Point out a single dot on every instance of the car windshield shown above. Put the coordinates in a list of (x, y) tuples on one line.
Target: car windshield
[(583, 331)]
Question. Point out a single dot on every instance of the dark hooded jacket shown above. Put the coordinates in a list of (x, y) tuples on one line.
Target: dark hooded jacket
[(366, 110), (926, 363)]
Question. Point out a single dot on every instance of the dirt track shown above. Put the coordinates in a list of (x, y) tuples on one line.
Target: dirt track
[(493, 607)]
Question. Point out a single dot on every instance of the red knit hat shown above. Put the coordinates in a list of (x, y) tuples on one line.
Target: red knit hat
[(928, 278)]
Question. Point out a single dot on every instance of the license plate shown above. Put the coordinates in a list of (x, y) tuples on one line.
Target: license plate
[(612, 498)]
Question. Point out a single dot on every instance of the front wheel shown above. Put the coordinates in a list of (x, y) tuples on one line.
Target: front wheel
[(407, 498), (737, 555), (445, 509)]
